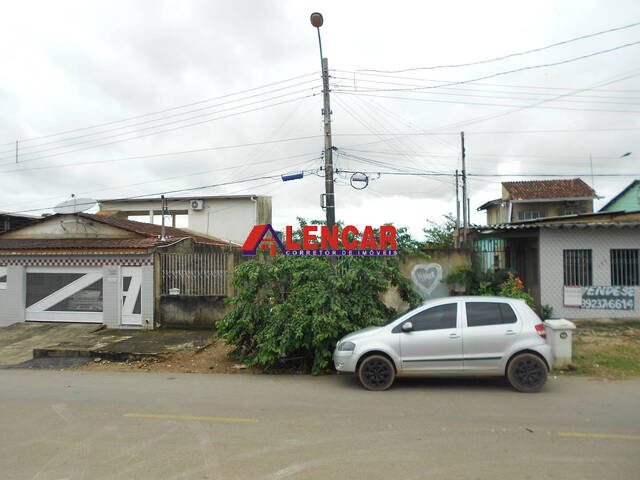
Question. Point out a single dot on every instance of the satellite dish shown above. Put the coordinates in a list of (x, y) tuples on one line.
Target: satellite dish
[(75, 205)]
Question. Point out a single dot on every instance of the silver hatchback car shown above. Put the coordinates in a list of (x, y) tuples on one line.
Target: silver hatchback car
[(492, 336)]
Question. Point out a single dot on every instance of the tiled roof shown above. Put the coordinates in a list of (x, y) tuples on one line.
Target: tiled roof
[(81, 243), (545, 189), (147, 236)]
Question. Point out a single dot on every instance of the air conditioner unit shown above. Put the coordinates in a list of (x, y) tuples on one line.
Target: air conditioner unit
[(196, 204)]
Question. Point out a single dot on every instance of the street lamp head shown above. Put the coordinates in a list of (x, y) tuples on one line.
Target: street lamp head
[(316, 19)]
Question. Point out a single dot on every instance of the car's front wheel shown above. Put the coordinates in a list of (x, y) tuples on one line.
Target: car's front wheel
[(376, 372), (527, 373)]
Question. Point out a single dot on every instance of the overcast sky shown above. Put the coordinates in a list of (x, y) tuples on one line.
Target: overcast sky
[(144, 79)]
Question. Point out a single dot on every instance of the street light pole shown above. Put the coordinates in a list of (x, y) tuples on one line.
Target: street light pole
[(330, 205)]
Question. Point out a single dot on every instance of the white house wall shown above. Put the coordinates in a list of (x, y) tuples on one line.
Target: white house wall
[(229, 219), (13, 298), (600, 241)]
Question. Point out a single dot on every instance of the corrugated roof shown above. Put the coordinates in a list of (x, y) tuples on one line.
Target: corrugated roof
[(150, 229), (546, 189), (567, 225)]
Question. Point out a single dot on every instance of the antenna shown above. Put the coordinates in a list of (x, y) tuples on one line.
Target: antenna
[(75, 205)]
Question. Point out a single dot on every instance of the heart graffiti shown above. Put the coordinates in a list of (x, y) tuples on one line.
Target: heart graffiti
[(426, 277)]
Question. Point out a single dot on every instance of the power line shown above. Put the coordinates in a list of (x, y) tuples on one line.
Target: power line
[(440, 92), (199, 102), (189, 189), (618, 78), (521, 69), (167, 154), (162, 118), (162, 131), (233, 167), (459, 102), (501, 85), (511, 55)]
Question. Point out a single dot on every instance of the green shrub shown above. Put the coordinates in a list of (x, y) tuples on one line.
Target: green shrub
[(514, 288), (299, 307)]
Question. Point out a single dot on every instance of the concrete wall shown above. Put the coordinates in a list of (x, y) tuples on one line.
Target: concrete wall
[(600, 241), (427, 275), (191, 312)]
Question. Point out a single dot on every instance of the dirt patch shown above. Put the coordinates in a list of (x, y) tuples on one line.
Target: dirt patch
[(214, 358), (607, 352)]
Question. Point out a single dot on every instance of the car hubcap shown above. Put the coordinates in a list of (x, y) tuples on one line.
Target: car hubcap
[(529, 372), (376, 372)]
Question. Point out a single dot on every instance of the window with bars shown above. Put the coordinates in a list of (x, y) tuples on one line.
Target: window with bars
[(625, 266), (577, 266)]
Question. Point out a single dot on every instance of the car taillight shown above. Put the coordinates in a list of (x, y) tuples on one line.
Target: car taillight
[(541, 331)]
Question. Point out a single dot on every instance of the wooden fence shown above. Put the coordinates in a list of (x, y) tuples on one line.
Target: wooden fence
[(194, 274)]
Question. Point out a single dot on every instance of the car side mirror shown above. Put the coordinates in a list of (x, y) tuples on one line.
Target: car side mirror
[(407, 326)]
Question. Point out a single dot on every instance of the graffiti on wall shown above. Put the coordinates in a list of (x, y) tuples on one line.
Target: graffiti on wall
[(427, 281)]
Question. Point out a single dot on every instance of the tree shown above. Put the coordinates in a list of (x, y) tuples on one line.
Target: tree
[(441, 235), (299, 307)]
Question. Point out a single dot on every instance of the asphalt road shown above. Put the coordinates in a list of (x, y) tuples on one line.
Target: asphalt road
[(97, 425)]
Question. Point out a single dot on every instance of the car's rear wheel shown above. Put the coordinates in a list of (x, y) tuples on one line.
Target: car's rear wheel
[(376, 372), (527, 373)]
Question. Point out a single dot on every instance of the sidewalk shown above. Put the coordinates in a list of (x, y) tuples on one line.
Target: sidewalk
[(29, 344)]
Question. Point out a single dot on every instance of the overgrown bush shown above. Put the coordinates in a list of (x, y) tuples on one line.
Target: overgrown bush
[(513, 287), (298, 307)]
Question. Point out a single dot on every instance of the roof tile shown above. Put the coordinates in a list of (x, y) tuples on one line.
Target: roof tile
[(544, 189)]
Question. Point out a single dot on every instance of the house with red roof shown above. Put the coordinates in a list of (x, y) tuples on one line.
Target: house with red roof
[(530, 200), (109, 270)]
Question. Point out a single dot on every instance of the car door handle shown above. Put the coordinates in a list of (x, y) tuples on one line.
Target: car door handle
[(454, 335), (510, 332)]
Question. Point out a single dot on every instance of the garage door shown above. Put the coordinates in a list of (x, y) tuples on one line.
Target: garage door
[(64, 294)]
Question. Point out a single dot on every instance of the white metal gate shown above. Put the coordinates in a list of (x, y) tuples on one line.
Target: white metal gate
[(64, 294), (130, 288)]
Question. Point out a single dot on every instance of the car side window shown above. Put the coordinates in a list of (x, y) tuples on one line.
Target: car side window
[(435, 318), (481, 314)]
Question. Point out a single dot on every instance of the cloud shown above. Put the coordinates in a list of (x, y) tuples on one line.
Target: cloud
[(70, 65)]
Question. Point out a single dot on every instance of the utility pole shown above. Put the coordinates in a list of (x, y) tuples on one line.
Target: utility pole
[(330, 201), (16, 151), (457, 239), (465, 209)]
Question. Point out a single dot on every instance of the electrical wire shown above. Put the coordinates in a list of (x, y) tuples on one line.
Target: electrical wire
[(482, 84), (159, 119), (166, 192), (459, 102), (440, 92), (160, 131), (199, 102), (511, 55), (520, 69), (157, 155)]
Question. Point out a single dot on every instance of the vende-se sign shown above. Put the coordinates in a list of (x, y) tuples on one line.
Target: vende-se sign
[(609, 298)]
